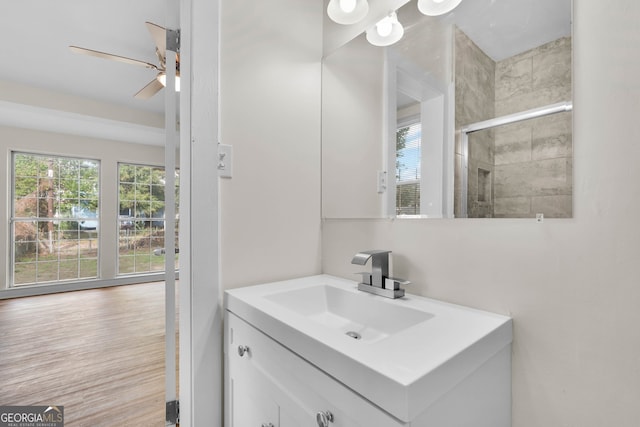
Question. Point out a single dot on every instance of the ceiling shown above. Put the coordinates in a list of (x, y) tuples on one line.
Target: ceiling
[(39, 32), (502, 28)]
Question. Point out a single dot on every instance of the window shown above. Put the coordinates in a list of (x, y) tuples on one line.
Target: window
[(408, 155), (142, 219), (54, 219)]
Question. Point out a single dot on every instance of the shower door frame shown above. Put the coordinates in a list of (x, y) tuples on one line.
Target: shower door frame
[(533, 113)]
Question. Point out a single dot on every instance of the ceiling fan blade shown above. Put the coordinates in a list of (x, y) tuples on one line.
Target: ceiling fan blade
[(159, 36), (153, 87), (104, 55)]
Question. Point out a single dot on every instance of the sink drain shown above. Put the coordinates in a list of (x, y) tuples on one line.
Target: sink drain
[(354, 335)]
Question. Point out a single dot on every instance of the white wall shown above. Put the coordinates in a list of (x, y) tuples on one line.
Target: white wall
[(270, 114), (571, 285)]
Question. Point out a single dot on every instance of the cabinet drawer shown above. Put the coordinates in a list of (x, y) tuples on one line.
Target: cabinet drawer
[(299, 389)]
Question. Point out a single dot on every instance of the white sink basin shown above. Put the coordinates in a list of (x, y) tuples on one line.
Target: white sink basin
[(402, 354), (354, 314)]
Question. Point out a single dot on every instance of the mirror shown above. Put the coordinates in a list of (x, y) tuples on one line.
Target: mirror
[(468, 115)]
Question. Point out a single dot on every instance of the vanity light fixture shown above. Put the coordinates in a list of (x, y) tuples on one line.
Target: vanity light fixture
[(386, 32), (437, 7), (347, 11), (162, 78)]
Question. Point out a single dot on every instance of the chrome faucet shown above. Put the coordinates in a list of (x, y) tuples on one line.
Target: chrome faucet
[(378, 281)]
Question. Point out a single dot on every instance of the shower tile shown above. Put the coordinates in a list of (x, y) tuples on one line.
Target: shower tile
[(552, 137), (513, 145), (536, 178), (552, 147), (512, 206), (552, 65), (553, 206), (513, 78)]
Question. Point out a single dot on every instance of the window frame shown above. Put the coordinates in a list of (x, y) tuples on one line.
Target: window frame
[(136, 221), (57, 222)]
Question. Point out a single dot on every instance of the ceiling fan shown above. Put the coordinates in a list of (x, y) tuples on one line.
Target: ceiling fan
[(158, 34)]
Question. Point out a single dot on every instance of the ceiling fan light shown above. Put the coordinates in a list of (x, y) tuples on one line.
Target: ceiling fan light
[(437, 7), (162, 78), (386, 32), (347, 11)]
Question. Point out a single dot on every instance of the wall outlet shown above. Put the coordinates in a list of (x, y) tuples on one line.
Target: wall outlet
[(539, 218), (225, 160)]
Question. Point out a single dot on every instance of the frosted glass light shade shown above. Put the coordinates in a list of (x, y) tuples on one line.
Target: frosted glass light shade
[(386, 32), (437, 7), (344, 12), (162, 78)]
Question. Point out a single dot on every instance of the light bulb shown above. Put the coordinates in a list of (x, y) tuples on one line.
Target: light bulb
[(347, 11), (162, 78), (347, 6), (384, 27), (386, 32), (437, 7)]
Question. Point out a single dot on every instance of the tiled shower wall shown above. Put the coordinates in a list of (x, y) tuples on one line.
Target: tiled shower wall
[(524, 168), (533, 159)]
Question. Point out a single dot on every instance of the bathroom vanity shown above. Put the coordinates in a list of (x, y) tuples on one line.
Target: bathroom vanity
[(316, 351)]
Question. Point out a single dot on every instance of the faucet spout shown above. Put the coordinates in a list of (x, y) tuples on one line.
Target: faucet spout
[(379, 264), (378, 281)]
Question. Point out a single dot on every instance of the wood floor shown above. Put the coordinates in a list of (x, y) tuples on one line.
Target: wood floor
[(99, 353)]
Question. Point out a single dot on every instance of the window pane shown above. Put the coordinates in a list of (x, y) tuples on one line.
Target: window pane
[(68, 270), (408, 169), (143, 175), (127, 173), (126, 264), (157, 176), (88, 268), (408, 199), (408, 152), (25, 187), (24, 273), (127, 192)]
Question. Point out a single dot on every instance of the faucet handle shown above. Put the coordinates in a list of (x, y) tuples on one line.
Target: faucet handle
[(366, 277), (395, 283)]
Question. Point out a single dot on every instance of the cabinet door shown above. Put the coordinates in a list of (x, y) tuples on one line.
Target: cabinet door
[(271, 373), (251, 402), (248, 391)]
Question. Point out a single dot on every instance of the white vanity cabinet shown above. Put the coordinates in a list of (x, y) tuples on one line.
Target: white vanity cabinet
[(268, 385), (316, 351)]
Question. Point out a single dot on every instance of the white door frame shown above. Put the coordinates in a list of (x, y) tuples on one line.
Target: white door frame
[(200, 311)]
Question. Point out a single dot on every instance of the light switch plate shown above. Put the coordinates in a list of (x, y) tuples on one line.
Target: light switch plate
[(225, 160), (382, 181)]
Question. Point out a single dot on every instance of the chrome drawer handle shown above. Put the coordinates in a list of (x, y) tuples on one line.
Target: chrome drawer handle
[(242, 349), (324, 418), (267, 425)]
